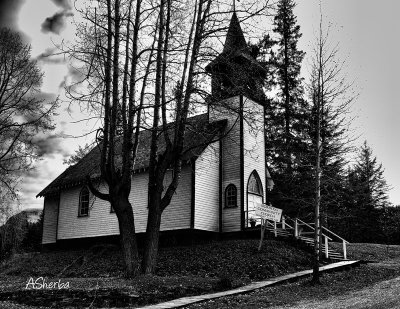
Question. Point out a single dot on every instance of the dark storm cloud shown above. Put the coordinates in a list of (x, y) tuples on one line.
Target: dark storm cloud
[(45, 96), (56, 23), (8, 12), (50, 144), (50, 56), (65, 4)]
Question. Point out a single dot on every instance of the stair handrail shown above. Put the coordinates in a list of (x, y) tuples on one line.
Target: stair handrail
[(306, 224), (333, 234), (337, 236), (286, 224), (344, 241)]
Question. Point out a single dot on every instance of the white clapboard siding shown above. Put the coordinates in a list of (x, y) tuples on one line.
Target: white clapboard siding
[(139, 199), (231, 160), (177, 214), (50, 220), (101, 222), (254, 145), (207, 189)]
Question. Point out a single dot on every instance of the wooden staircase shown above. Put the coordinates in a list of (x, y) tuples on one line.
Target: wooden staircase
[(304, 232)]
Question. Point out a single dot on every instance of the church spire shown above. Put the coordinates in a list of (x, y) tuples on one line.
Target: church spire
[(235, 71), (234, 39)]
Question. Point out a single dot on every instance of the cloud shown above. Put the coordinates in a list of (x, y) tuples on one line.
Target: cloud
[(37, 179), (8, 12), (56, 23), (49, 145), (65, 4), (45, 96), (50, 56), (73, 80)]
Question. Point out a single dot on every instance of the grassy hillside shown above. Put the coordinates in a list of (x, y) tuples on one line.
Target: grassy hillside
[(184, 270)]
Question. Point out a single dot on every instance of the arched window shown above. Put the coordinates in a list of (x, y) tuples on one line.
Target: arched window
[(254, 185), (84, 202), (231, 196)]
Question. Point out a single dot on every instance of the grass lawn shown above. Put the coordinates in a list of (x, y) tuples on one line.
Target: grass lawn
[(95, 275)]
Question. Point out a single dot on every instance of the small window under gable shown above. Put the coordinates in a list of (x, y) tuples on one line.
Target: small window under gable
[(254, 185), (231, 196), (84, 199)]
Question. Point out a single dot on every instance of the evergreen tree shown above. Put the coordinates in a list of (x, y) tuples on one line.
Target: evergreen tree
[(373, 189), (288, 108), (285, 114), (367, 197)]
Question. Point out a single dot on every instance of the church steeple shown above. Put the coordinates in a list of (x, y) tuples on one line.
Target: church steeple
[(235, 71), (234, 38)]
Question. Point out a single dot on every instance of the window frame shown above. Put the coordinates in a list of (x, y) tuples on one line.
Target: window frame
[(233, 196), (85, 191), (254, 175)]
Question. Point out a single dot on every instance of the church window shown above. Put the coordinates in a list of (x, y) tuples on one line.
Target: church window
[(231, 196), (84, 202), (254, 185)]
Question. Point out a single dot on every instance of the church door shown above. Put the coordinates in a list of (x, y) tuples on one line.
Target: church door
[(254, 197)]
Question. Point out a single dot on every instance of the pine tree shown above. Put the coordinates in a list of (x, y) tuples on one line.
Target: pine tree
[(285, 114), (373, 189), (290, 105), (367, 196)]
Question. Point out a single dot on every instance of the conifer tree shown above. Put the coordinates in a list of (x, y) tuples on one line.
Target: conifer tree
[(285, 114), (372, 186), (367, 196)]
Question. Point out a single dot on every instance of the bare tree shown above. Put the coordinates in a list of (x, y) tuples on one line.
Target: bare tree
[(142, 66), (109, 56), (331, 98), (24, 112)]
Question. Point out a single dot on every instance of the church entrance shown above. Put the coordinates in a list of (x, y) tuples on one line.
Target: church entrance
[(254, 197)]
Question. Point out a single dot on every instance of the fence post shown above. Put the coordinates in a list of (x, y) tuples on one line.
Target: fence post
[(275, 229), (344, 250), (283, 223), (296, 234), (326, 247)]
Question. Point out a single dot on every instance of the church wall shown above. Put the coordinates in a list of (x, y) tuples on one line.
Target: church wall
[(231, 217), (254, 146), (101, 222), (177, 215), (50, 220), (207, 189)]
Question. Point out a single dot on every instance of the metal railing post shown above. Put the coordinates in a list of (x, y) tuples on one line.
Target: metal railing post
[(296, 233), (276, 234), (344, 250), (283, 223)]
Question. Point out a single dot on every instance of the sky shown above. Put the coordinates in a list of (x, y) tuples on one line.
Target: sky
[(367, 33)]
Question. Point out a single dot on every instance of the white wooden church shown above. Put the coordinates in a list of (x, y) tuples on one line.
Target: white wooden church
[(220, 182)]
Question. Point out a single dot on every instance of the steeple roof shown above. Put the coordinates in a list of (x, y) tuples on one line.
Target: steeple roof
[(234, 39)]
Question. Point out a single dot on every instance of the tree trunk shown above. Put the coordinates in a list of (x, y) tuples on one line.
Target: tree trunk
[(152, 235), (128, 237)]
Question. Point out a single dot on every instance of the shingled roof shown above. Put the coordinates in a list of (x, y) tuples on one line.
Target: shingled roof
[(235, 50), (199, 134)]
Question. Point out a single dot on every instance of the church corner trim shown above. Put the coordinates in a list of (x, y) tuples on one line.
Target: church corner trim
[(220, 222), (242, 225), (193, 189)]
